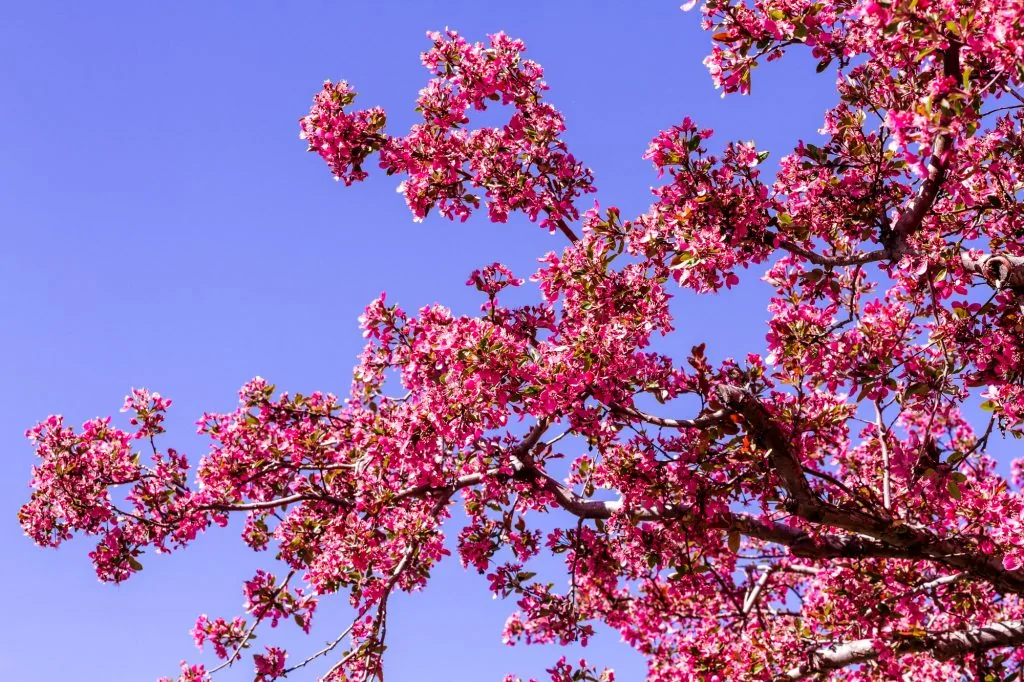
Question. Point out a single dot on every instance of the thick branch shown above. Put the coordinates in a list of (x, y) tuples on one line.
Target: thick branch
[(944, 645), (910, 220), (830, 261), (917, 541), (766, 432), (999, 270), (799, 542)]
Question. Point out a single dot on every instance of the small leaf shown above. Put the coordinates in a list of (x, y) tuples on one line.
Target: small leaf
[(734, 541), (680, 260), (919, 388), (954, 489), (814, 275)]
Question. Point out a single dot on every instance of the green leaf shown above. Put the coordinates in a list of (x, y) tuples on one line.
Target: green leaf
[(955, 459), (954, 489), (814, 275), (680, 260), (919, 388), (734, 541)]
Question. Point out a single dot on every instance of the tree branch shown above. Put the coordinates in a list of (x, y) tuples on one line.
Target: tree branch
[(943, 645), (999, 270), (800, 543), (910, 220), (862, 258), (278, 502), (763, 427), (895, 239), (704, 420), (917, 541)]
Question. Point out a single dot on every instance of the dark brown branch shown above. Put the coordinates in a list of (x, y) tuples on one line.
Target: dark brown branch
[(910, 220), (799, 542), (567, 231), (917, 541), (763, 427)]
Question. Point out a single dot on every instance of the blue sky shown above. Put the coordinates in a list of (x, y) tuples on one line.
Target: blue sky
[(162, 226)]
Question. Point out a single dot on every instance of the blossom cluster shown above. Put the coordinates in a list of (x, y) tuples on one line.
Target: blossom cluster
[(521, 166)]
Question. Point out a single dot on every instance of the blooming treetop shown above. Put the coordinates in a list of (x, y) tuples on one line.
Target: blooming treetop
[(826, 510)]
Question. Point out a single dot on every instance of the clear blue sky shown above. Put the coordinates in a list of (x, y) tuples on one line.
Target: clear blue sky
[(162, 226)]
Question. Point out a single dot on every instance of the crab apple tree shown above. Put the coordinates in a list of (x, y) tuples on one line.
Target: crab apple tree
[(824, 508)]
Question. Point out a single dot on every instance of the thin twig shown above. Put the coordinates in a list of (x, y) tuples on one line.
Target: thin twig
[(237, 653), (886, 494)]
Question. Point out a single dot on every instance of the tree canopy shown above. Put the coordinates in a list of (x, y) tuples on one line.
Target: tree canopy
[(824, 507)]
